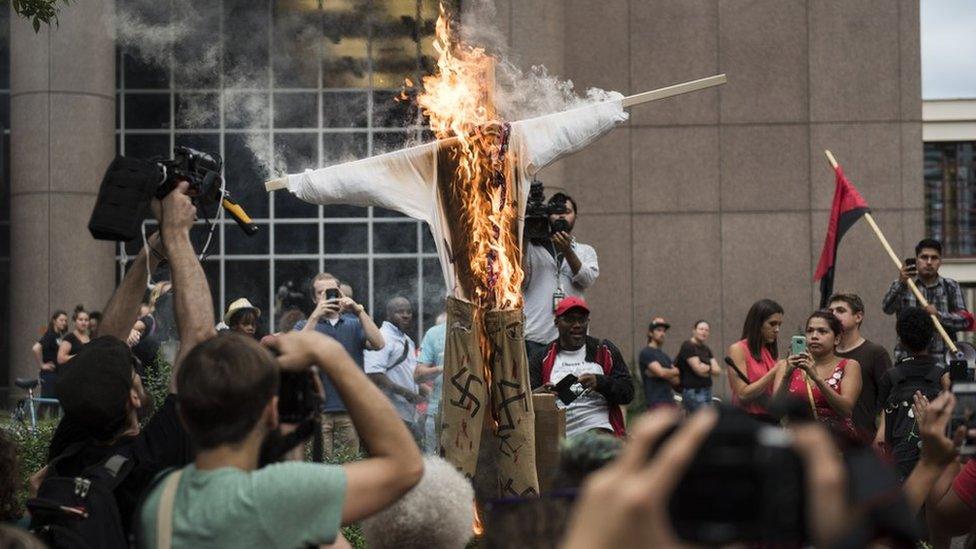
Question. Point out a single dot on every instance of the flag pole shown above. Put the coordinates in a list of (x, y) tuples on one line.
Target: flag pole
[(897, 261)]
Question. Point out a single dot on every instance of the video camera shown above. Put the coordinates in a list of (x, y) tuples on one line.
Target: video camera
[(537, 212), (130, 184)]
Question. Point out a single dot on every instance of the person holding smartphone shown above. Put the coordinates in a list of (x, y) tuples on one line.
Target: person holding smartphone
[(944, 295), (813, 372), (341, 318)]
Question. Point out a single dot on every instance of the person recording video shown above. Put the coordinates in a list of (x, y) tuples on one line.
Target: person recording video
[(556, 266), (944, 295)]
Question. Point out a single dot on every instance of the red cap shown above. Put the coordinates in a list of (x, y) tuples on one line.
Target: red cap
[(571, 302)]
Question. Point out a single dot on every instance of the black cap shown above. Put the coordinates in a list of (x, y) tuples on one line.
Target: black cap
[(93, 387)]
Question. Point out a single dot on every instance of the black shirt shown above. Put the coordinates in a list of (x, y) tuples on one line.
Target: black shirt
[(50, 342), (874, 361), (76, 343), (656, 390), (690, 379), (162, 444)]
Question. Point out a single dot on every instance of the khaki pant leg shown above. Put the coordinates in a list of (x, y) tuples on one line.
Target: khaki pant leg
[(328, 428), (513, 440), (344, 434), (464, 400)]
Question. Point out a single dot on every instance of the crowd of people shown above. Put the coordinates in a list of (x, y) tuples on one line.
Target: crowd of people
[(220, 463)]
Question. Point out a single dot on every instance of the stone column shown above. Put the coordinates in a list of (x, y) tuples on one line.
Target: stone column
[(62, 103)]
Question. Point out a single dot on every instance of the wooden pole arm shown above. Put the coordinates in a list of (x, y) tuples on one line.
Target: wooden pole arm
[(897, 261), (627, 102)]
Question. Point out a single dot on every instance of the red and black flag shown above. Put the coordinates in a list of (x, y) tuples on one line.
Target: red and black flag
[(847, 208)]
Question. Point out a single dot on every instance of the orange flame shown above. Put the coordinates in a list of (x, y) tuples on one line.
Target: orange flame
[(477, 527), (458, 101)]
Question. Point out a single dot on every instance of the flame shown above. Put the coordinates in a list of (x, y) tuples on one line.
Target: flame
[(477, 527), (458, 101)]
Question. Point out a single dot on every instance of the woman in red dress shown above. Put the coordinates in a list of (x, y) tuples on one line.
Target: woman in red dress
[(829, 383)]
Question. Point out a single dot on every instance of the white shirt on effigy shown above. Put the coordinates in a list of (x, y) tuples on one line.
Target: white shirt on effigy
[(588, 411), (406, 180)]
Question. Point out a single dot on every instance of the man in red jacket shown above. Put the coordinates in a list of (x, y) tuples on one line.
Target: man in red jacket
[(603, 383)]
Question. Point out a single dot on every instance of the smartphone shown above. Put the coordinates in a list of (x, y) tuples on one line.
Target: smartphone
[(798, 345), (564, 389), (332, 293), (910, 263), (964, 415)]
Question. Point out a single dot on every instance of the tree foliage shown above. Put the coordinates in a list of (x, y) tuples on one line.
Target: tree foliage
[(38, 11)]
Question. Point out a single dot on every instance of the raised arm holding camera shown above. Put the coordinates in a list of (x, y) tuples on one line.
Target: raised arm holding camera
[(357, 332), (100, 442), (944, 295), (229, 402), (556, 265)]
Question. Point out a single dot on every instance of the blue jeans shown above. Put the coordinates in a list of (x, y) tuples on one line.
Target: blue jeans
[(693, 399)]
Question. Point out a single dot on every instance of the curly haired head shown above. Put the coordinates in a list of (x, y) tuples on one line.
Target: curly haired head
[(436, 514)]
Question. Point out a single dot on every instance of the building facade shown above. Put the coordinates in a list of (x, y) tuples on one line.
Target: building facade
[(697, 207)]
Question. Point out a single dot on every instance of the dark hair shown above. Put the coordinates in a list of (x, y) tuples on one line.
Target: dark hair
[(928, 243), (289, 318), (758, 314), (832, 321), (54, 316), (78, 310), (243, 316), (853, 301), (560, 197), (699, 321), (914, 329), (224, 385), (95, 315)]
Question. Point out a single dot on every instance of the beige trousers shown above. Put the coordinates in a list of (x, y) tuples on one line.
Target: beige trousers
[(490, 417), (338, 435)]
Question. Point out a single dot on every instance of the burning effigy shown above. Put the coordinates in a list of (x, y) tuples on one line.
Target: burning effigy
[(471, 186)]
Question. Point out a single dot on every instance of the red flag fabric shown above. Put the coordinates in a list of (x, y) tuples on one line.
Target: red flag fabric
[(847, 208)]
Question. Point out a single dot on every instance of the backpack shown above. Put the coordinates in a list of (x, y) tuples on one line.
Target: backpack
[(81, 511), (901, 430)]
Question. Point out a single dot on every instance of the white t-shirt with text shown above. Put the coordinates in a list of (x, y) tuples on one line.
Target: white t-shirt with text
[(589, 410)]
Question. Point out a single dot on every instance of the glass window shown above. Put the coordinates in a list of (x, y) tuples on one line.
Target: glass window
[(147, 146), (244, 172), (345, 238), (303, 85), (294, 277), (197, 110), (950, 196), (395, 237), (249, 279), (246, 47), (296, 110), (249, 110), (239, 243), (435, 293), (295, 152), (391, 278), (296, 239), (344, 110), (148, 111)]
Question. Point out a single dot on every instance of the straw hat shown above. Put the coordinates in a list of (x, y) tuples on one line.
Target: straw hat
[(237, 305)]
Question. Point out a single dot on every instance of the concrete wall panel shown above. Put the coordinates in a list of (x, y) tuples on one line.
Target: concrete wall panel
[(675, 169), (672, 42), (767, 69)]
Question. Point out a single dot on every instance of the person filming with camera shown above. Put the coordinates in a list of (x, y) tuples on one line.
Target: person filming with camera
[(229, 403), (556, 266), (944, 295)]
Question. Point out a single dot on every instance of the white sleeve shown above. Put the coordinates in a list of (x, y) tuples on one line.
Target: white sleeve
[(547, 138), (374, 362), (401, 180)]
